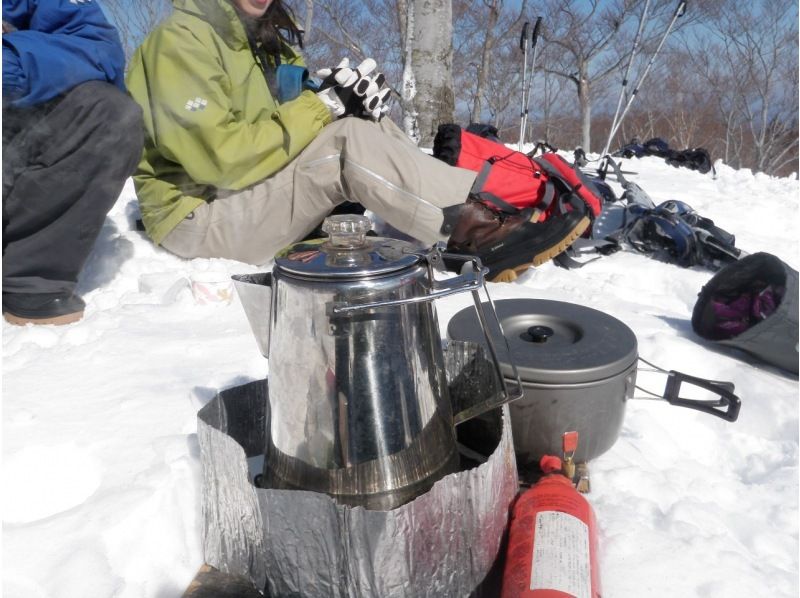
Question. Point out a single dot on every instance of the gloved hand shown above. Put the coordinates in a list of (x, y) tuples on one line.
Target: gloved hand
[(358, 79), (348, 91), (337, 89), (376, 97)]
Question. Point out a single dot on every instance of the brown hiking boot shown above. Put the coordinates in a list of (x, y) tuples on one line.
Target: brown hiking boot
[(508, 244)]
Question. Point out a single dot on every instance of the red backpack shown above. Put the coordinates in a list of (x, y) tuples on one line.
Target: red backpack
[(510, 181)]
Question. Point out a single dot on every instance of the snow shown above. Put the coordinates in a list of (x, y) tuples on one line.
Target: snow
[(101, 467)]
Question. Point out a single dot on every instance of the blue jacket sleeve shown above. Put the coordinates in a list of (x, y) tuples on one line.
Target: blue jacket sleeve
[(58, 44)]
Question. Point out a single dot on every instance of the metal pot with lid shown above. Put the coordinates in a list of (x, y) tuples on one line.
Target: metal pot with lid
[(578, 368), (358, 398)]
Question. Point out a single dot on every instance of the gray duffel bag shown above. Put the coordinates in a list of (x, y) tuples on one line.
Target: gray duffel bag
[(751, 305)]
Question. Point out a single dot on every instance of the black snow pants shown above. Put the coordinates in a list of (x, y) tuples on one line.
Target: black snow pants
[(64, 165)]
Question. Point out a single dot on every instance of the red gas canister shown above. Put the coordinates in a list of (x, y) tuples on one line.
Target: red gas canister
[(552, 545)]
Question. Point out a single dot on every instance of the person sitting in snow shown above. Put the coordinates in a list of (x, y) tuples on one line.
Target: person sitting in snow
[(71, 137), (229, 171)]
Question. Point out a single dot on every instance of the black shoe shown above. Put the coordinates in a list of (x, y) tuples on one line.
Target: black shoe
[(42, 308), (508, 244)]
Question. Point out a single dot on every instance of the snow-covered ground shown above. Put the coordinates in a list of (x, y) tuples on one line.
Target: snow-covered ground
[(101, 467)]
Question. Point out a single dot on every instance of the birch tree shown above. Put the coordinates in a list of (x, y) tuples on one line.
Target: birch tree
[(405, 13), (430, 27)]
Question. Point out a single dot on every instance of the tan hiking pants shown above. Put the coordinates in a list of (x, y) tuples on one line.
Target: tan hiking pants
[(352, 159)]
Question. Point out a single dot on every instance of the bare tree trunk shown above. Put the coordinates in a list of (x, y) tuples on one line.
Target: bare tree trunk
[(486, 58), (547, 107), (432, 64), (308, 20), (552, 99), (585, 102), (406, 17)]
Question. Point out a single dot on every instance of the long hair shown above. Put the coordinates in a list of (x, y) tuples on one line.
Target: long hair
[(276, 28)]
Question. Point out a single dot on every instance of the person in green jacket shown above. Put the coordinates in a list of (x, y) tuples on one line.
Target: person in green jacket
[(235, 167)]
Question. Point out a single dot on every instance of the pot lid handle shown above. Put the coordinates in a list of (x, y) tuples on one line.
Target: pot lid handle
[(346, 231)]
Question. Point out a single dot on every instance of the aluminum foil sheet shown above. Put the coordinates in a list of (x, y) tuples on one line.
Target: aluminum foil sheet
[(298, 543)]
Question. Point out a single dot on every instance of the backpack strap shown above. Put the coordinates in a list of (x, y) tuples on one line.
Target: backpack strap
[(541, 146), (581, 247), (579, 184), (485, 196)]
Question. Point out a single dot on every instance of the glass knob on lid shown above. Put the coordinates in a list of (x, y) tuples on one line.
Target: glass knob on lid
[(348, 253), (346, 231)]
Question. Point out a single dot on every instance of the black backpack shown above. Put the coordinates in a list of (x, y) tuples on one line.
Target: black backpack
[(695, 159)]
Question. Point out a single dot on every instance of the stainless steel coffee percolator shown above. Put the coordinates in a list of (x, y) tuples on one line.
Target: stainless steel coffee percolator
[(358, 398)]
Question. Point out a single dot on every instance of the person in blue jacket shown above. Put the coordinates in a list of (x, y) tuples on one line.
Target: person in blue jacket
[(71, 137)]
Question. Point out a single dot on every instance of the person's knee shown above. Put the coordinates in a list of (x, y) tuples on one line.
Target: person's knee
[(128, 115), (108, 104), (355, 126), (131, 128), (120, 109), (118, 117)]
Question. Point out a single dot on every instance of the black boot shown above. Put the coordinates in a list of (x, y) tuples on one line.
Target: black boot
[(508, 244), (42, 308)]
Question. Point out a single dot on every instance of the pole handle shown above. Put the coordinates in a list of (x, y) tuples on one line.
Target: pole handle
[(536, 29), (523, 39)]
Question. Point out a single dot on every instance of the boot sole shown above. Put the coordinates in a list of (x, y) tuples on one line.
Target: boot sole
[(54, 320), (511, 274)]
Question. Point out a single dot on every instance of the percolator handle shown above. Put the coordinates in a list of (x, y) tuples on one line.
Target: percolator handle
[(467, 281)]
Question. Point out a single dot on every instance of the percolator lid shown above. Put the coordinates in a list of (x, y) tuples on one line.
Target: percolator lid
[(347, 252)]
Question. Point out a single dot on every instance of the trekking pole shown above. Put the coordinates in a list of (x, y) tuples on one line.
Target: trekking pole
[(679, 11), (523, 45), (636, 41), (534, 38)]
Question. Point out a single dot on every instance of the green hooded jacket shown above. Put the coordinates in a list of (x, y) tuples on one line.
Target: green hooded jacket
[(210, 119)]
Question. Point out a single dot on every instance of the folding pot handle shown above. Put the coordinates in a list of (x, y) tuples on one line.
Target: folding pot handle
[(726, 406)]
